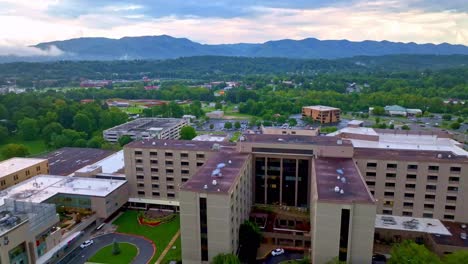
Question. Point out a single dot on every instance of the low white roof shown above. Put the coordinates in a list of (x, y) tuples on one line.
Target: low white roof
[(355, 130), (12, 165), (425, 225), (111, 164), (40, 188), (212, 138)]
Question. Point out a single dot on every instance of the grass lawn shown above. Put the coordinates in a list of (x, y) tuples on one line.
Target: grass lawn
[(173, 254), (235, 137), (135, 109), (127, 253), (161, 235), (34, 146)]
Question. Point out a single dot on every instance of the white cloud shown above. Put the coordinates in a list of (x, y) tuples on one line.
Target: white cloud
[(23, 51)]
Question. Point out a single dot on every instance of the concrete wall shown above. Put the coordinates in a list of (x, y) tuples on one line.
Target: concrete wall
[(106, 206), (16, 236)]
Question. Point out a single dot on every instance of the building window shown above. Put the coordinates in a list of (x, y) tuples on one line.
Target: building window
[(344, 234), (140, 177), (154, 169), (141, 185), (169, 179), (405, 213), (452, 189), (454, 179), (391, 166), (138, 153), (430, 196), (200, 156), (199, 164), (428, 215), (450, 207), (390, 175), (155, 178), (168, 154), (2, 183), (428, 206), (156, 194), (38, 168), (185, 179), (155, 186), (138, 161), (171, 195), (153, 153), (431, 187), (432, 178), (371, 165), (203, 229), (434, 168), (407, 204), (371, 174), (412, 167), (387, 212), (449, 217), (185, 172), (455, 169), (169, 163), (390, 184), (390, 194), (27, 173), (153, 161), (410, 186), (169, 171), (370, 183), (411, 176), (184, 155), (451, 198), (141, 193), (409, 195), (139, 169), (15, 177), (184, 163), (170, 187)]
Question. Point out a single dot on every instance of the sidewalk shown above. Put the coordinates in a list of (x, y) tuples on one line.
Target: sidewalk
[(169, 246)]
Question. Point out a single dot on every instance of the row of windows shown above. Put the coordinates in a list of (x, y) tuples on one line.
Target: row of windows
[(425, 215), (413, 167), (411, 186), (413, 176), (169, 154), (157, 194)]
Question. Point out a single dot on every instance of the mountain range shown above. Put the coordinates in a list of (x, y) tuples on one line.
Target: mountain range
[(167, 47)]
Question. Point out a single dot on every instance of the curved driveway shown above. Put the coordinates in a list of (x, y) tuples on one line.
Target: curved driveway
[(145, 247)]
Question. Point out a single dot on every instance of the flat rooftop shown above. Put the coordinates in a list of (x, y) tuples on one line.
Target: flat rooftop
[(66, 161), (452, 240), (110, 165), (176, 144), (424, 225), (354, 188), (294, 139), (40, 188), (409, 155), (12, 165), (321, 107), (144, 124), (211, 138), (231, 162)]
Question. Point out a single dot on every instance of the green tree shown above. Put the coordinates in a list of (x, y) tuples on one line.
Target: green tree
[(447, 117), (405, 127), (228, 125), (211, 126), (292, 122), (187, 133), (391, 126), (410, 252), (50, 129), (3, 134), (237, 125), (14, 150), (225, 259), (377, 120), (456, 257), (124, 140), (455, 125), (218, 105), (95, 142), (82, 122), (115, 248), (378, 110), (28, 128), (249, 241), (460, 120)]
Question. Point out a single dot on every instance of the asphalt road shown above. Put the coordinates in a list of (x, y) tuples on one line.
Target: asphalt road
[(145, 248)]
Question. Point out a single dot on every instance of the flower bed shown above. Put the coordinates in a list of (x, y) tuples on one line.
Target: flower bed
[(152, 222)]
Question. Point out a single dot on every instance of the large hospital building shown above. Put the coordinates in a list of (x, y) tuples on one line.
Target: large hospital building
[(328, 195)]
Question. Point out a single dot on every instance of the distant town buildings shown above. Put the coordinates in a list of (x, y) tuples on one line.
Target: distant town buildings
[(353, 88), (322, 114), (396, 110), (454, 101), (147, 128), (217, 114), (95, 83)]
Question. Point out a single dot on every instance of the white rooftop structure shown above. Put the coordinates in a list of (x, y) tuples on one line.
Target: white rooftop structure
[(321, 107), (40, 188), (212, 138), (402, 141), (425, 225), (112, 164), (15, 164)]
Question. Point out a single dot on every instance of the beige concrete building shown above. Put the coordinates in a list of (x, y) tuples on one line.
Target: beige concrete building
[(322, 114), (213, 204), (290, 131), (16, 170)]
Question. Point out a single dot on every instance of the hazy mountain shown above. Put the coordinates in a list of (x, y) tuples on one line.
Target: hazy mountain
[(166, 47)]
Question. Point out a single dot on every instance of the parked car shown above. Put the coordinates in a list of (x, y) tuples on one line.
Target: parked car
[(87, 243), (277, 252)]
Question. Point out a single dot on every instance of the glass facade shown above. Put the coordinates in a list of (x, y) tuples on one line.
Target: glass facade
[(303, 176), (289, 182), (273, 183), (260, 180), (69, 200), (19, 255)]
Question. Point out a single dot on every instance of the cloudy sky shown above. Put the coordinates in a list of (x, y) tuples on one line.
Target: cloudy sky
[(28, 22)]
